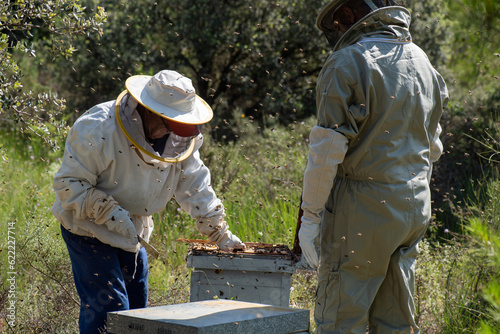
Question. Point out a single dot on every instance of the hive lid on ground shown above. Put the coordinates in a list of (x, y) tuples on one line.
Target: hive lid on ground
[(210, 317)]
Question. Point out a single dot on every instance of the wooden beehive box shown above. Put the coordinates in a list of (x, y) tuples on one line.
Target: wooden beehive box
[(259, 274)]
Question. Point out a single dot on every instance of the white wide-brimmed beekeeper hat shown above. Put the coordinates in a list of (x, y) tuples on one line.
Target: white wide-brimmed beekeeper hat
[(170, 95)]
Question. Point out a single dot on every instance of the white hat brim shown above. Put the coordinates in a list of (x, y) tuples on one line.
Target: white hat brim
[(201, 113)]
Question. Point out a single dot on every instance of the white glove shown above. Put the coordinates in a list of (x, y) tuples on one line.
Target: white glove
[(307, 234), (120, 222), (217, 230), (229, 242)]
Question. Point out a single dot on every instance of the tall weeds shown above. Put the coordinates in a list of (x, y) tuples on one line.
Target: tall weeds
[(35, 269), (485, 230)]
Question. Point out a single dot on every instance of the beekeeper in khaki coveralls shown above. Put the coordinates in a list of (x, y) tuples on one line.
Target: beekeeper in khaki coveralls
[(123, 161), (366, 185)]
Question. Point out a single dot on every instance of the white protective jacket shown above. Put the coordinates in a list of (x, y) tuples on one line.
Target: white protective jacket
[(102, 174)]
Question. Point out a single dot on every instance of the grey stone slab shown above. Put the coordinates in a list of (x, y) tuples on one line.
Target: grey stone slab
[(210, 317)]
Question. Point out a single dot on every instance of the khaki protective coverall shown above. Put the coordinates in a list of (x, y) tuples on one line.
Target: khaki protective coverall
[(367, 180)]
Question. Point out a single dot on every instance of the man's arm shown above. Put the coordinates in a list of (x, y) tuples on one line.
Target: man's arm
[(196, 196), (327, 150)]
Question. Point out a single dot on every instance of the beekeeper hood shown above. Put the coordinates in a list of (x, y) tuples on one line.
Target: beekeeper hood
[(172, 97), (332, 28)]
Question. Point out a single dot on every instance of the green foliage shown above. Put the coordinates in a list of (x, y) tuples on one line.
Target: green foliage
[(475, 303), (470, 260), (457, 280), (471, 151), (52, 26), (449, 279), (260, 57), (475, 55), (45, 300), (489, 238), (429, 29), (485, 228)]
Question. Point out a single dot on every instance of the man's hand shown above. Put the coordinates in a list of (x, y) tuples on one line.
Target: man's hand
[(217, 230), (230, 242), (120, 222), (307, 234)]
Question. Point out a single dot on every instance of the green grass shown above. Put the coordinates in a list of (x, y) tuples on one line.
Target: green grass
[(44, 295)]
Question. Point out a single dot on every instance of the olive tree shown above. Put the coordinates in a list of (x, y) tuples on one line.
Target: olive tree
[(475, 53), (254, 59), (26, 26)]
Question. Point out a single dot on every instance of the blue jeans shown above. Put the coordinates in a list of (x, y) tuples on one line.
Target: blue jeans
[(105, 280)]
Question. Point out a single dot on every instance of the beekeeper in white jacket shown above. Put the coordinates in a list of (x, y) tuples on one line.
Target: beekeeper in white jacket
[(123, 161)]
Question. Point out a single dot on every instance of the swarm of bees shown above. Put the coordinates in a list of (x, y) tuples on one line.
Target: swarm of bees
[(198, 247)]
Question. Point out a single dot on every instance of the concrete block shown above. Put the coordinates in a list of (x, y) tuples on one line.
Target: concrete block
[(210, 317)]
